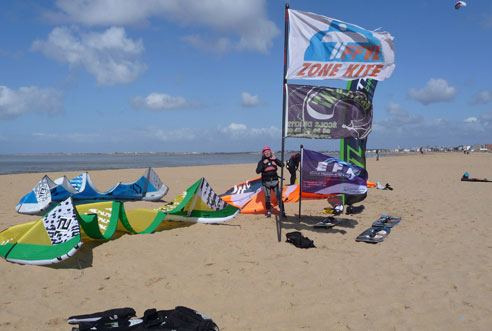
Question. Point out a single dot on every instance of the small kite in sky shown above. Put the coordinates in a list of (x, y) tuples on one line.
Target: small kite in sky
[(459, 4)]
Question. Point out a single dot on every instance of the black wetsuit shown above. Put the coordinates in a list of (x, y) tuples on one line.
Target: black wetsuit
[(292, 166)]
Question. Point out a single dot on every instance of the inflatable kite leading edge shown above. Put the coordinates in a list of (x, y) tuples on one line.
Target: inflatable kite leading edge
[(48, 193), (59, 234)]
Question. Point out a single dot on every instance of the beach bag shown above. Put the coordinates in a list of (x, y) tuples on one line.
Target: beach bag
[(181, 318), (297, 239), (122, 319)]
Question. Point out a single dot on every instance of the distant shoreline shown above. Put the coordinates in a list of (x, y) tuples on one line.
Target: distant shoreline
[(43, 163)]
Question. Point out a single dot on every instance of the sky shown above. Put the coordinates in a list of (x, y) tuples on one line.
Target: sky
[(107, 76)]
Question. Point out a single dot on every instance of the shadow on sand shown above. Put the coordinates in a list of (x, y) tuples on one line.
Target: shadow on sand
[(293, 223)]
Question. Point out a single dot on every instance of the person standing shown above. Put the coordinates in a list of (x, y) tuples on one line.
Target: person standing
[(292, 166), (268, 166)]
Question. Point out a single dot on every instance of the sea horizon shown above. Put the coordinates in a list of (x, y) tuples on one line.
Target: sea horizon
[(59, 162)]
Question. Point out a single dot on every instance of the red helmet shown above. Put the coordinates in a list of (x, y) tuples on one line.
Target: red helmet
[(266, 148)]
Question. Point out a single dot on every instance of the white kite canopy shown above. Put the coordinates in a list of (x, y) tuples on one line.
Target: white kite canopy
[(47, 192), (459, 4)]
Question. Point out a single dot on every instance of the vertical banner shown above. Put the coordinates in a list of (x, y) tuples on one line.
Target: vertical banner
[(353, 150)]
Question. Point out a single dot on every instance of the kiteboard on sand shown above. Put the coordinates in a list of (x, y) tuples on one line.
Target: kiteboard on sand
[(380, 229), (387, 221), (374, 234)]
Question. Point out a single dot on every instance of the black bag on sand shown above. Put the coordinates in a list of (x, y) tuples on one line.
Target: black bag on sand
[(178, 319), (297, 239), (181, 318)]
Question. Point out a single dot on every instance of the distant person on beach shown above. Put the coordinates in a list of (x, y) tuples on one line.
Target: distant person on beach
[(293, 165), (268, 166), (377, 154), (422, 150)]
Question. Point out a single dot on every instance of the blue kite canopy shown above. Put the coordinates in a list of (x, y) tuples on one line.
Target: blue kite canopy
[(48, 193)]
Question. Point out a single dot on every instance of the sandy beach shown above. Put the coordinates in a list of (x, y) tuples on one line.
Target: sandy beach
[(434, 271)]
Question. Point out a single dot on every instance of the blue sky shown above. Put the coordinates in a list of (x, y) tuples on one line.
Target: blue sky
[(206, 76)]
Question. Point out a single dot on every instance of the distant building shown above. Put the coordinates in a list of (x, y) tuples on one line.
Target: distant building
[(488, 146), (476, 148)]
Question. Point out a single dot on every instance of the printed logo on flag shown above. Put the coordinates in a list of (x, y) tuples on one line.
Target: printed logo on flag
[(318, 112), (346, 43), (323, 174)]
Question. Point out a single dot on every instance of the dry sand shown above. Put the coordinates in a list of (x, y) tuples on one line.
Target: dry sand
[(434, 271)]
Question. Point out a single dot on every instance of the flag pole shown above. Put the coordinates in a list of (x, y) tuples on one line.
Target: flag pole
[(286, 40), (300, 181)]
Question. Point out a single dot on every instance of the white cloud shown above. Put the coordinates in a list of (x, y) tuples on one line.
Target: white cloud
[(110, 55), (103, 12), (248, 100), (486, 117), (234, 132), (479, 126), (436, 90), (394, 108), (482, 97), (245, 18), (471, 119), (241, 131), (177, 135), (415, 130), (487, 21), (219, 46), (47, 101), (161, 101), (46, 136), (235, 127), (86, 137)]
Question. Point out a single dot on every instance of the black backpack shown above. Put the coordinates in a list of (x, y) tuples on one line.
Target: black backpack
[(297, 239)]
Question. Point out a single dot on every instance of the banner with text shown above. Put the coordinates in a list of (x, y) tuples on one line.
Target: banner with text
[(319, 112), (323, 174), (321, 47)]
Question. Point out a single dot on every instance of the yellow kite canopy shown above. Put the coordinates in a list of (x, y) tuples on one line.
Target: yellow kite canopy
[(59, 234)]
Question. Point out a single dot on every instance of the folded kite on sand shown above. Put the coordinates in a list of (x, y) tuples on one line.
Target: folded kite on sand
[(48, 193), (59, 234), (250, 197)]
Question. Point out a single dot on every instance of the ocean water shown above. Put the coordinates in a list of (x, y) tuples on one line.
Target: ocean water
[(14, 164)]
